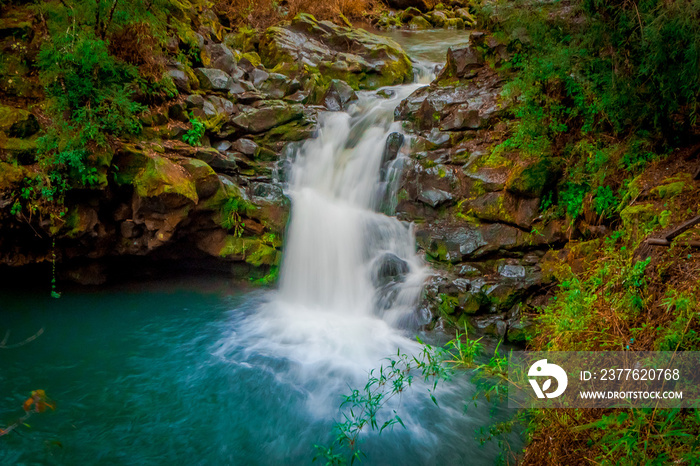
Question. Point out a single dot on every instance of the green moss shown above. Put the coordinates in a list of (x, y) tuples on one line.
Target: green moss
[(251, 250), (161, 176), (253, 58)]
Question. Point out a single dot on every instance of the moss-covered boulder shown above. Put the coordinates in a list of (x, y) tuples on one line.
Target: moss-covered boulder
[(17, 123), (364, 60), (419, 22)]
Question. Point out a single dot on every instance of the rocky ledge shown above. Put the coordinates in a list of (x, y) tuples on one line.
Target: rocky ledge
[(476, 209), (255, 96)]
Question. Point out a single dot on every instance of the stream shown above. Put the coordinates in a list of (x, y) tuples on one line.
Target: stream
[(194, 371)]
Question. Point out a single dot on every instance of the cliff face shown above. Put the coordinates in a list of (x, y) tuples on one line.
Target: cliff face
[(203, 179)]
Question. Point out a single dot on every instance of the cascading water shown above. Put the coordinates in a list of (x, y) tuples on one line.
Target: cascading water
[(350, 277)]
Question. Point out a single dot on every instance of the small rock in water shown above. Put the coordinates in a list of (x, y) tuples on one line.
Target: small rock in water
[(391, 269)]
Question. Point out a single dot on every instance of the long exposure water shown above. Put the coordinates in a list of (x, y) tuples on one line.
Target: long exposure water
[(194, 372)]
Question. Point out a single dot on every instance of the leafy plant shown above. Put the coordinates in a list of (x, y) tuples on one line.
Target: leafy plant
[(193, 136)]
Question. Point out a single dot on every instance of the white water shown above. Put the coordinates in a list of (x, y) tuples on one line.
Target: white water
[(330, 323)]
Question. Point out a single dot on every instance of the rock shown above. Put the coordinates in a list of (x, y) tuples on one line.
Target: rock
[(409, 13), (220, 57), (465, 16), (20, 150), (276, 86), (185, 81), (461, 63), (437, 18), (419, 22), (258, 76), (454, 23), (391, 149), (17, 123), (434, 197), (450, 106), (272, 114), (534, 178), (362, 59), (245, 147), (338, 96), (459, 117), (389, 268), (213, 80), (503, 207)]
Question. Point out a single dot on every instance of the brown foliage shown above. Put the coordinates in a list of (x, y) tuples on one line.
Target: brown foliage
[(264, 13), (136, 45)]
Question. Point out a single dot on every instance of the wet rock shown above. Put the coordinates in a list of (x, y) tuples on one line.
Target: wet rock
[(437, 18), (389, 268), (458, 105), (419, 22), (391, 149), (434, 197), (464, 15), (338, 96), (364, 60), (213, 80)]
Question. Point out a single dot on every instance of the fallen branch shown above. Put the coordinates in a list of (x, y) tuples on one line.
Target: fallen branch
[(683, 228), (4, 345), (664, 242)]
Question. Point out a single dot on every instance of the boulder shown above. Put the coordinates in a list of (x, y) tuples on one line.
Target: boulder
[(211, 79), (364, 60), (437, 18), (389, 268), (338, 96), (268, 116), (419, 22), (220, 57)]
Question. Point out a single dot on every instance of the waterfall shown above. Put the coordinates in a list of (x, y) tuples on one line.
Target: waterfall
[(342, 255), (350, 277)]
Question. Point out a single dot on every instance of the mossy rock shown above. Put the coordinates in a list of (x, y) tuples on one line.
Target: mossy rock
[(253, 251), (17, 123), (245, 40), (454, 23), (253, 58), (420, 23), (639, 215), (11, 175), (362, 59), (533, 179), (19, 150), (674, 186)]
